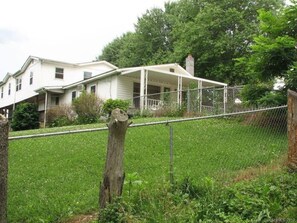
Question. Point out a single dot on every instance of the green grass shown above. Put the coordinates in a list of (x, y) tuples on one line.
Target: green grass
[(54, 178)]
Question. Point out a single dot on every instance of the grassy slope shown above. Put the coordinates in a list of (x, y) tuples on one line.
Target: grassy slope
[(56, 177)]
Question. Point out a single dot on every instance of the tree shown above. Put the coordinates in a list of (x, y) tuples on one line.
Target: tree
[(121, 51), (221, 32), (25, 117), (274, 52), (216, 33)]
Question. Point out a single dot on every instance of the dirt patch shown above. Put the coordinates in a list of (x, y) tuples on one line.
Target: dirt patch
[(83, 218), (254, 172)]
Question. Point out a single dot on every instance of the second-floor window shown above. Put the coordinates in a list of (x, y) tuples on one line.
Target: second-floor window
[(59, 73), (2, 92), (18, 84), (87, 75), (9, 88), (31, 78)]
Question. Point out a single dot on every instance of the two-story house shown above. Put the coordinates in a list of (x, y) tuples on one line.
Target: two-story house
[(50, 83)]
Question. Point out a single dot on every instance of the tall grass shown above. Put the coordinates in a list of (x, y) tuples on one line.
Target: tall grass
[(54, 178)]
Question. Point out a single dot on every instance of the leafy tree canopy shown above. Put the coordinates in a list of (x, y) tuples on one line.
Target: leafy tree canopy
[(215, 32), (274, 53)]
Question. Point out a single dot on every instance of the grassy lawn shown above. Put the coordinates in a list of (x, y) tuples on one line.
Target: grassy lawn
[(54, 178)]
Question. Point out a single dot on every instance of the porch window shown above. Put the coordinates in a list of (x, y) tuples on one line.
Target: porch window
[(153, 92), (93, 89), (55, 100), (59, 73), (73, 95)]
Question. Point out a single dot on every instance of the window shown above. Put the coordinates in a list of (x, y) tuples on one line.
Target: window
[(73, 95), (93, 89), (2, 92), (59, 73), (171, 70), (18, 84), (9, 88), (87, 75), (55, 100), (31, 78)]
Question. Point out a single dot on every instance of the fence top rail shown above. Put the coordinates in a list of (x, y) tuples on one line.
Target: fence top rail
[(165, 122)]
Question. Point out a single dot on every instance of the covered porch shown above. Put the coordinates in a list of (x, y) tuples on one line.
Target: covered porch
[(48, 97), (156, 86)]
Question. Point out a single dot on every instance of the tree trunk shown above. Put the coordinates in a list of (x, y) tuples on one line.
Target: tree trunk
[(292, 130), (3, 168), (113, 177)]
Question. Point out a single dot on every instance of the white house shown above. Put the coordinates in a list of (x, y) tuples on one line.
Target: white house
[(50, 83)]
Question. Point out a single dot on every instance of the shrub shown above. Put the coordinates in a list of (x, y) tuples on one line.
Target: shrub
[(88, 108), (112, 104), (25, 117), (61, 115)]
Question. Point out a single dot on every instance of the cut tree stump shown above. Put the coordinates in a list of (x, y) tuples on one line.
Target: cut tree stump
[(4, 126), (113, 177), (292, 130)]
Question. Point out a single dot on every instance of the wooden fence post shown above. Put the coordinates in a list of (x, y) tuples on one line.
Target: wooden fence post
[(113, 177), (292, 130), (3, 168)]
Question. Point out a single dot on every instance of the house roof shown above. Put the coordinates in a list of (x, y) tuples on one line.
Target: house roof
[(5, 79), (44, 60), (163, 68), (178, 71)]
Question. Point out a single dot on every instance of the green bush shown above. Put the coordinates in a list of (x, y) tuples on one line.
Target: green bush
[(25, 117), (112, 104), (61, 115), (88, 108)]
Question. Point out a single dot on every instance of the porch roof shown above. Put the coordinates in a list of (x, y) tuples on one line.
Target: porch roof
[(52, 89), (158, 74)]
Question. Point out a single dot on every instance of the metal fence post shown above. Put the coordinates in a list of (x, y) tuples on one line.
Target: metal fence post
[(4, 127), (292, 130), (171, 155)]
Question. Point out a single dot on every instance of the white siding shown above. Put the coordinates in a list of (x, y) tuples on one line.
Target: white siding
[(125, 88), (107, 88), (44, 76)]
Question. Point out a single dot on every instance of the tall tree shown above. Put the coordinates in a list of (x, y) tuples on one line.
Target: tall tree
[(274, 53), (215, 32), (221, 32)]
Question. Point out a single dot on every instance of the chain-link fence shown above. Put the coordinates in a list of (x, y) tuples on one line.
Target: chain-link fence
[(192, 102), (56, 176), (210, 146)]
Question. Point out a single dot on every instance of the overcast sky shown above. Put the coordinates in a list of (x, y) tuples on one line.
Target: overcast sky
[(66, 30)]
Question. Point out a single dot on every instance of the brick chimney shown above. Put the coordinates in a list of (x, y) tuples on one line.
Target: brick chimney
[(190, 64)]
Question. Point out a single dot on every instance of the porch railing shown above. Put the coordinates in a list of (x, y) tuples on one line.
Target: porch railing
[(154, 104)]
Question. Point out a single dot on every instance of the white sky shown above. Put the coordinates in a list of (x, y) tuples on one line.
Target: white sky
[(66, 30)]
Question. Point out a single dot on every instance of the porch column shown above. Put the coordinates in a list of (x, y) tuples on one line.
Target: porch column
[(225, 98), (45, 109), (200, 95), (179, 90), (143, 89)]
